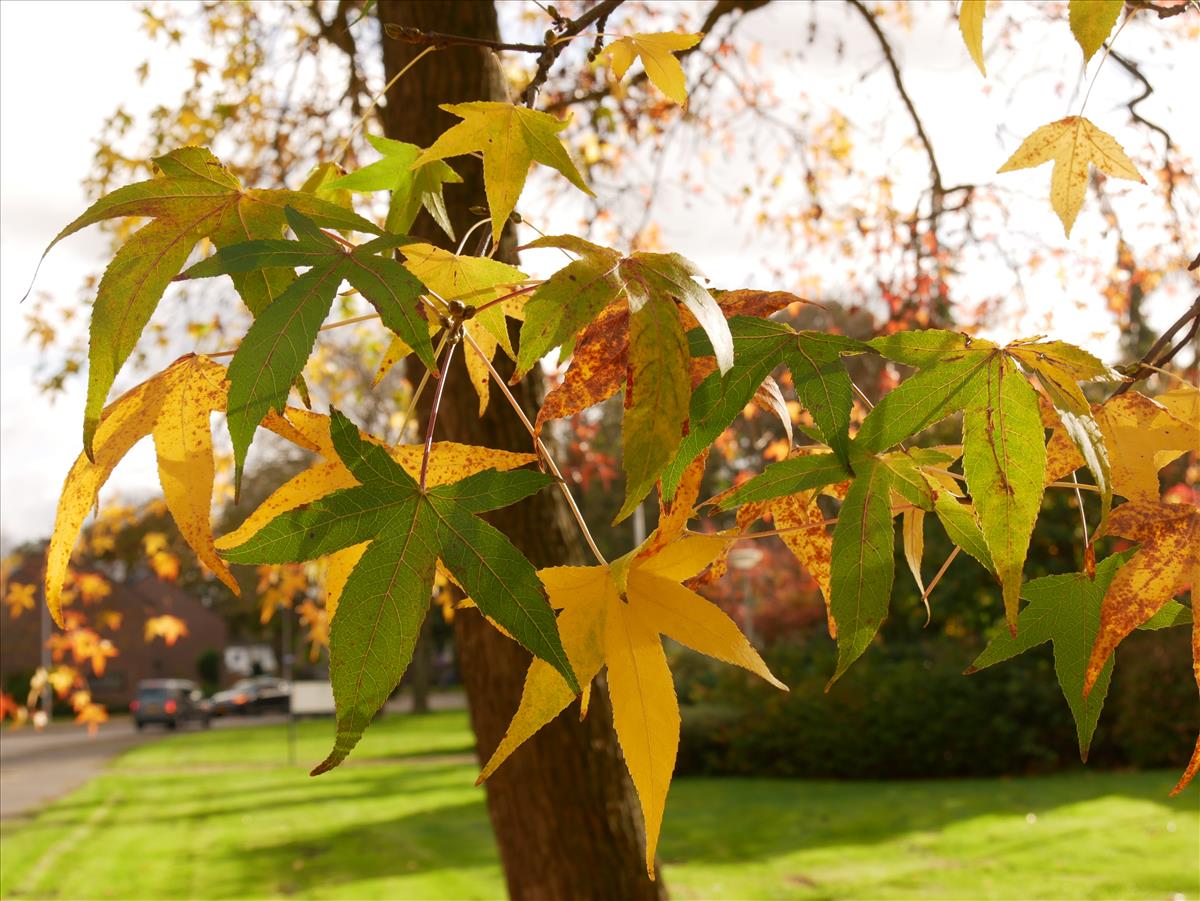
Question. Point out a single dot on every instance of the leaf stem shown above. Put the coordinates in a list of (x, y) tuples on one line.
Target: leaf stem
[(511, 294), (416, 397), (542, 451), (442, 377), (375, 102)]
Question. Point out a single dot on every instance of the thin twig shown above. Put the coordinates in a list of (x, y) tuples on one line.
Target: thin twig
[(375, 102), (937, 578), (443, 376), (542, 451), (1155, 356)]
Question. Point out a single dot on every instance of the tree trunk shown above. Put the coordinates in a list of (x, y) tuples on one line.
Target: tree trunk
[(563, 808)]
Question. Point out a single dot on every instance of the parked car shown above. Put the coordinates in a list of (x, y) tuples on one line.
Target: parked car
[(169, 702), (260, 694)]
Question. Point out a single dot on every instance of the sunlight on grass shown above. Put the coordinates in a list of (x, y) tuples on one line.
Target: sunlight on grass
[(219, 815)]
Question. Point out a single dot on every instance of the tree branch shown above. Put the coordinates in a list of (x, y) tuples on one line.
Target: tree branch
[(718, 11), (1161, 353), (554, 48)]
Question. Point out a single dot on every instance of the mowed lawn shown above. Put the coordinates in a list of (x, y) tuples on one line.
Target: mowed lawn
[(222, 815)]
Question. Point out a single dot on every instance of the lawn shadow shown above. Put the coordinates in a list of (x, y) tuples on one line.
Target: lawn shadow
[(762, 819), (453, 840)]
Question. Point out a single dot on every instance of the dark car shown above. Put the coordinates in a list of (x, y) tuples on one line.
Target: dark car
[(260, 694), (169, 702)]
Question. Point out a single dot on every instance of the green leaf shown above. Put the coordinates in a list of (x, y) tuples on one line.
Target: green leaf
[(411, 188), (656, 397), (1064, 610), (1172, 613), (196, 197), (922, 400), (273, 353), (823, 385), (863, 563), (510, 139), (387, 594), (962, 527), (1004, 460), (758, 346), (568, 301), (1059, 368), (925, 348), (789, 476), (1092, 22)]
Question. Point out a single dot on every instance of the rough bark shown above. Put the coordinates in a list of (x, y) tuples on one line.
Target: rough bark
[(563, 808)]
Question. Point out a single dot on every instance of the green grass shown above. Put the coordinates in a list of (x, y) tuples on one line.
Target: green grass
[(221, 815)]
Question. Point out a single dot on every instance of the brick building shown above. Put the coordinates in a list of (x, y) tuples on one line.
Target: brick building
[(137, 597)]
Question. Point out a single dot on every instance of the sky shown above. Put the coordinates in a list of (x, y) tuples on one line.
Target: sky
[(58, 84)]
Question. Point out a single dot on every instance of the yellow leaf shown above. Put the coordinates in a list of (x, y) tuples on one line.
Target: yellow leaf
[(1071, 144), (176, 402), (613, 615), (19, 598), (1092, 22), (811, 541), (396, 351), (1142, 436), (656, 52), (338, 567), (510, 138), (183, 443), (970, 23), (474, 281), (913, 526), (169, 628), (645, 712)]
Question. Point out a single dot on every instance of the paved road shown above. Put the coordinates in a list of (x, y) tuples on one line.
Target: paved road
[(38, 767)]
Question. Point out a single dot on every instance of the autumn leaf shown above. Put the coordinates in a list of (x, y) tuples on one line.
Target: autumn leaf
[(612, 616), (174, 406), (272, 355), (169, 628), (475, 282), (820, 381), (1072, 144), (656, 53), (1092, 22), (411, 189), (1141, 435), (970, 23), (448, 462), (19, 598), (387, 594), (1004, 451), (196, 197), (1064, 610), (1164, 566), (510, 139)]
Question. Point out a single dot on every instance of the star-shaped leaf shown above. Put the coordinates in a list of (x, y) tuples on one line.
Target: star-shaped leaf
[(1166, 564), (1141, 435), (175, 406), (613, 616), (657, 54), (510, 139), (411, 188), (1064, 610), (387, 594), (448, 462), (1072, 144), (818, 376), (196, 197), (272, 354)]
